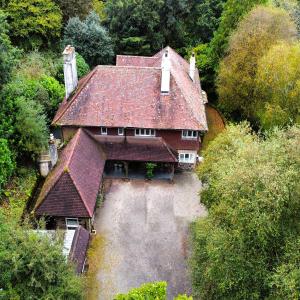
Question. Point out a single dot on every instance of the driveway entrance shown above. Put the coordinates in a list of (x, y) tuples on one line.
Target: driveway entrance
[(145, 226)]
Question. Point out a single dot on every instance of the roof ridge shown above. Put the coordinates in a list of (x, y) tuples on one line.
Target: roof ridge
[(77, 92), (77, 134), (124, 55), (169, 149), (127, 67), (74, 182)]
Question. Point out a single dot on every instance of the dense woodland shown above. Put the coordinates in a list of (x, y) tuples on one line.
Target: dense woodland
[(248, 56)]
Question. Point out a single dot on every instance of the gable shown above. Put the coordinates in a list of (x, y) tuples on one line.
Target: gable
[(63, 200)]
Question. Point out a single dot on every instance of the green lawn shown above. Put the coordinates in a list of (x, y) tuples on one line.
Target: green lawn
[(215, 125)]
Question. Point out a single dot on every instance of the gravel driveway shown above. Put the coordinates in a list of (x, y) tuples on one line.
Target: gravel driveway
[(144, 225)]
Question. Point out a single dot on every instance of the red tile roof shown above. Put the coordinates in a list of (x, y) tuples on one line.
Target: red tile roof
[(128, 95), (72, 186), (79, 248), (136, 149)]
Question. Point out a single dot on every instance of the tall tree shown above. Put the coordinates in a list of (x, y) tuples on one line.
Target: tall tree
[(135, 25), (74, 8), (261, 29), (242, 249), (277, 86), (7, 52), (34, 23), (90, 39)]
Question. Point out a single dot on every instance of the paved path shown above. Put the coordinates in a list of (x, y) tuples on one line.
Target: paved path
[(144, 225)]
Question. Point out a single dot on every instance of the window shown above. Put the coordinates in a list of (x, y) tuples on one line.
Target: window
[(189, 134), (120, 131), (72, 223), (188, 158), (144, 132), (103, 130)]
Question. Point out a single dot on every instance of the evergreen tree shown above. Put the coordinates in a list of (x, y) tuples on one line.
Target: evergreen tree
[(90, 39)]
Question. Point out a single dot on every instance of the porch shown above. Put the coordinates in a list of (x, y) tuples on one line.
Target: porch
[(139, 170)]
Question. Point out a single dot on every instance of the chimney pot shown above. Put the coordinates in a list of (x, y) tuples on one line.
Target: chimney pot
[(70, 70)]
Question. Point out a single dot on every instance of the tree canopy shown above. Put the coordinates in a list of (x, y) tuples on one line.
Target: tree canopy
[(278, 86), (7, 51), (33, 265), (241, 250), (34, 22), (90, 39), (261, 29)]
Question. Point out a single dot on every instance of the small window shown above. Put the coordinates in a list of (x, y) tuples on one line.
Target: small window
[(189, 134), (144, 132), (103, 130), (120, 131), (188, 158), (72, 223)]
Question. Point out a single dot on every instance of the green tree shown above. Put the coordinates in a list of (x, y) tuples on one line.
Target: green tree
[(7, 163), (261, 29), (8, 53), (234, 11), (278, 86), (34, 23), (74, 8), (135, 26), (252, 194), (90, 39), (203, 20), (30, 126), (33, 266)]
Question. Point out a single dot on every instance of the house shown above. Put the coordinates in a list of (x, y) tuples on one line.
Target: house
[(118, 119)]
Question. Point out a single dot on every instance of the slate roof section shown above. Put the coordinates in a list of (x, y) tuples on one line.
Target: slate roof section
[(136, 149), (79, 248), (72, 186), (128, 95)]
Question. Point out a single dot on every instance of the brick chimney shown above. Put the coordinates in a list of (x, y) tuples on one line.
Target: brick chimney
[(165, 73), (70, 70), (192, 66)]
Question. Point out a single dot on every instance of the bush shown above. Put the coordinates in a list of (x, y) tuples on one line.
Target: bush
[(33, 266), (151, 291), (7, 163), (149, 170)]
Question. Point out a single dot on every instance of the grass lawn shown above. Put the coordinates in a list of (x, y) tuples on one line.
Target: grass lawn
[(215, 125), (18, 191)]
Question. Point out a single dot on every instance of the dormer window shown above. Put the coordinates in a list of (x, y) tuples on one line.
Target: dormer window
[(144, 132), (120, 131), (189, 134), (104, 130)]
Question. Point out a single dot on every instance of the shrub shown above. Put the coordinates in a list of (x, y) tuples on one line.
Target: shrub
[(7, 163)]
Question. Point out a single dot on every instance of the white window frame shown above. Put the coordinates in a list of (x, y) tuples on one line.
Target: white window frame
[(144, 132), (186, 157), (120, 131), (103, 130), (72, 226), (189, 134)]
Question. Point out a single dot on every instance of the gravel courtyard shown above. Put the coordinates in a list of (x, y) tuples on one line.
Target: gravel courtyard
[(144, 225)]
